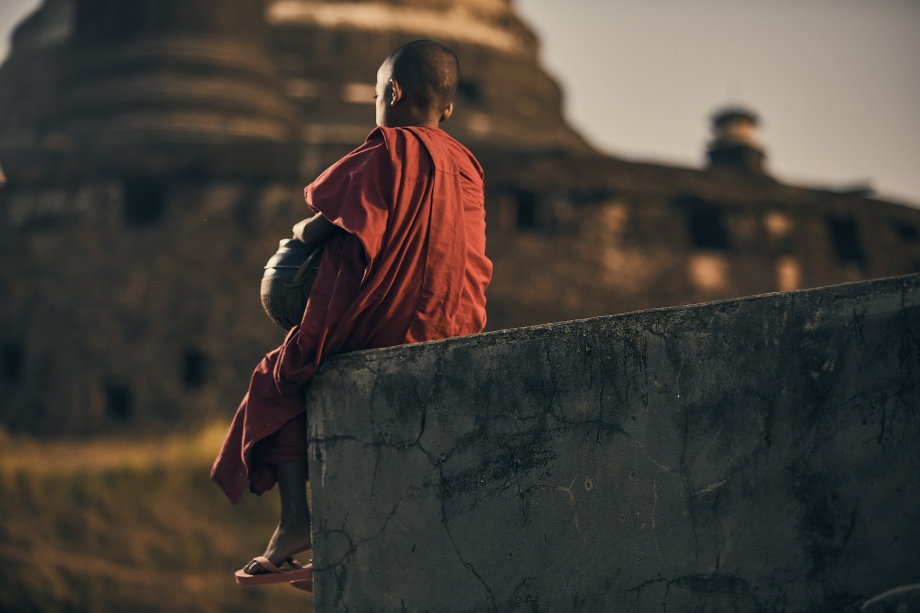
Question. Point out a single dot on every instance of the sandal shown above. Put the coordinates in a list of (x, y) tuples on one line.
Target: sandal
[(298, 572)]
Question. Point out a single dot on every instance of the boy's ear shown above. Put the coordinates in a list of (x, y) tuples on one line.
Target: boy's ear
[(397, 92), (447, 113)]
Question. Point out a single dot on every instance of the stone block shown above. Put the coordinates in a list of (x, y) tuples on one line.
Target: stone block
[(760, 454)]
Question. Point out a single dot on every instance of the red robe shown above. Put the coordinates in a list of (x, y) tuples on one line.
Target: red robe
[(410, 266)]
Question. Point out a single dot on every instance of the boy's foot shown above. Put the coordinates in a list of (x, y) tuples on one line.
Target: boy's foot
[(285, 542)]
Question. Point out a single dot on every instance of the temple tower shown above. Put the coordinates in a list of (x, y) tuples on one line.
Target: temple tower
[(329, 52), (144, 88), (734, 141)]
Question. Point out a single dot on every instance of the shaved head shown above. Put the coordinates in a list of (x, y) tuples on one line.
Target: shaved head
[(428, 71)]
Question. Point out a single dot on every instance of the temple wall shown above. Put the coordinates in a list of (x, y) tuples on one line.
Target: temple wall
[(134, 305), (760, 454)]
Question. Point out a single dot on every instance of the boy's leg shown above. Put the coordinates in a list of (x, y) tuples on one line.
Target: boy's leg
[(285, 454), (293, 532)]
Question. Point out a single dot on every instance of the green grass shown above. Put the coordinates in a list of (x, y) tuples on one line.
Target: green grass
[(128, 525)]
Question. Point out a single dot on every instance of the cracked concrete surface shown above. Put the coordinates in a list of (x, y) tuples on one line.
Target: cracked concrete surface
[(750, 455)]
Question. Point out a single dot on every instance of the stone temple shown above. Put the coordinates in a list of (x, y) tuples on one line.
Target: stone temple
[(155, 151)]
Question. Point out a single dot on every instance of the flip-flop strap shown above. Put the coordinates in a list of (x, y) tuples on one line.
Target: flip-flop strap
[(266, 564)]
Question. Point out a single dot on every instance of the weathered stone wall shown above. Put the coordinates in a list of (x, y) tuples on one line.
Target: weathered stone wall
[(760, 454), (111, 323), (632, 250)]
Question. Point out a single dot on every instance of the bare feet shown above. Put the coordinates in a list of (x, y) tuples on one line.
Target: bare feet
[(285, 542)]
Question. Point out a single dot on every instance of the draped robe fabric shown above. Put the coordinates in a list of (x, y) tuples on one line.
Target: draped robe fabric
[(409, 266)]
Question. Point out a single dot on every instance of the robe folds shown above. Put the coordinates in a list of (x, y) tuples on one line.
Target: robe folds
[(410, 266)]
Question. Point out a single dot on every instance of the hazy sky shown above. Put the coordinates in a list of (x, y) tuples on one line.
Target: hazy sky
[(836, 82), (11, 13)]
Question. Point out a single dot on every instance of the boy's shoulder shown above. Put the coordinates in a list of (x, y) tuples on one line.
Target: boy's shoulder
[(447, 153)]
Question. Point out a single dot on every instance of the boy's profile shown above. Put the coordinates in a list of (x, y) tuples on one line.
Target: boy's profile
[(403, 224)]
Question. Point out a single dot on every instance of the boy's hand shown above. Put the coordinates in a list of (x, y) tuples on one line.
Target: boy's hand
[(298, 229), (313, 230)]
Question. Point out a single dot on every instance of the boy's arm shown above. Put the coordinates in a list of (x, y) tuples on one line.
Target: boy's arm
[(314, 230)]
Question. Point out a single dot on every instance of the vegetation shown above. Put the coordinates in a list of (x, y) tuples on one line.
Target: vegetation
[(128, 525)]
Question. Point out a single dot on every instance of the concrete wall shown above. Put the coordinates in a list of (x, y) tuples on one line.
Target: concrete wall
[(760, 454)]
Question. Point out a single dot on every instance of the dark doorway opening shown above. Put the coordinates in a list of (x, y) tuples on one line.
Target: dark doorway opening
[(908, 233), (705, 223), (11, 361), (708, 230), (119, 401), (144, 203), (844, 233), (526, 210), (469, 90), (195, 366)]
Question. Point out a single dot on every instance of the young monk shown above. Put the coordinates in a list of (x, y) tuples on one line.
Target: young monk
[(403, 224)]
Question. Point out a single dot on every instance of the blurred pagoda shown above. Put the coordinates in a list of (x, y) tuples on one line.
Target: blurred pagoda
[(156, 151)]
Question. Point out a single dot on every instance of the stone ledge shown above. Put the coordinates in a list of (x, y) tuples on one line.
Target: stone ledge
[(759, 454)]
